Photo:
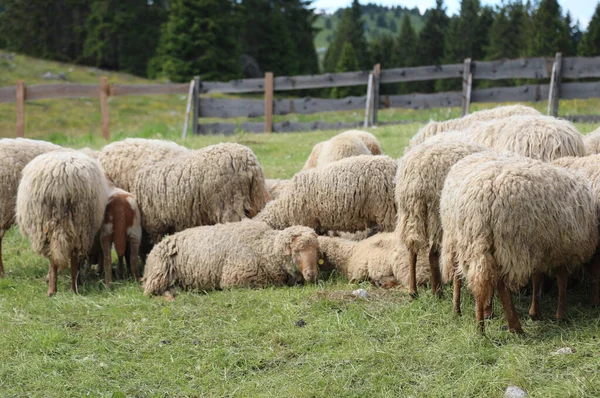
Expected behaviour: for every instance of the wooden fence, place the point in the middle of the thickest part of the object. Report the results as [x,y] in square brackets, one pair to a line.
[555,69]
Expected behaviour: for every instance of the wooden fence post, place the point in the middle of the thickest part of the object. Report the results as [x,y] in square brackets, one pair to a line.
[196,100]
[376,75]
[20,98]
[188,109]
[467,85]
[268,102]
[554,92]
[368,106]
[104,93]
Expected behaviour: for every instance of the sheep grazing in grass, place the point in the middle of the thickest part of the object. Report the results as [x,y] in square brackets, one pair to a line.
[122,160]
[121,226]
[90,152]
[242,254]
[509,218]
[275,187]
[420,179]
[217,184]
[538,137]
[349,195]
[15,154]
[344,145]
[60,206]
[592,142]
[378,259]
[460,124]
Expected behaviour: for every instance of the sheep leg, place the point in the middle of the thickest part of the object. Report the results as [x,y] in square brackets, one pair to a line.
[479,314]
[562,279]
[1,263]
[52,270]
[488,311]
[536,287]
[412,274]
[456,294]
[594,270]
[120,270]
[74,273]
[434,268]
[514,325]
[133,255]
[106,243]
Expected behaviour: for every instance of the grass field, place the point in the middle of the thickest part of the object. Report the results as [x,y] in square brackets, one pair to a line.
[245,343]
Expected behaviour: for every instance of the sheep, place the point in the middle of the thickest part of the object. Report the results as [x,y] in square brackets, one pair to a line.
[459,124]
[275,187]
[217,184]
[122,160]
[507,218]
[592,142]
[589,168]
[15,154]
[243,254]
[378,259]
[538,137]
[90,152]
[419,182]
[347,144]
[60,206]
[349,195]
[121,226]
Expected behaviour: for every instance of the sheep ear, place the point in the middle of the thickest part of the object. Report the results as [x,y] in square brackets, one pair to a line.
[288,248]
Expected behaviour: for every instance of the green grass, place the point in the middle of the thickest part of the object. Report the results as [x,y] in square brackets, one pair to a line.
[245,343]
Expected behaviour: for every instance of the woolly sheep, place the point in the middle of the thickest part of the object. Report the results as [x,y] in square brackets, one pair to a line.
[243,254]
[217,184]
[60,206]
[419,182]
[346,144]
[538,137]
[90,152]
[349,195]
[122,160]
[511,217]
[459,124]
[15,154]
[378,259]
[592,142]
[275,187]
[121,226]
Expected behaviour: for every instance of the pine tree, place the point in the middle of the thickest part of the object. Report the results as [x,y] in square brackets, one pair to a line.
[507,32]
[347,62]
[351,29]
[430,50]
[199,38]
[393,26]
[382,50]
[548,33]
[590,41]
[404,52]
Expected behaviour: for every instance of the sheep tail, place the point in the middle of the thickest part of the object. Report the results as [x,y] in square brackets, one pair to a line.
[60,249]
[413,229]
[120,235]
[258,198]
[159,272]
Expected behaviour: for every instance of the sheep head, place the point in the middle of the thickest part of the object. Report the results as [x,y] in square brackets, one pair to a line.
[301,244]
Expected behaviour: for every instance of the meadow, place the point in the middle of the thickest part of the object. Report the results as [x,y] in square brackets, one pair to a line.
[309,341]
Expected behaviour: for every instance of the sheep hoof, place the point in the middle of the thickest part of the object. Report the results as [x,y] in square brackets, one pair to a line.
[562,321]
[414,295]
[535,317]
[168,296]
[488,315]
[518,330]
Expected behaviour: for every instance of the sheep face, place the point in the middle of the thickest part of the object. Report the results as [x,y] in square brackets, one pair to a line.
[303,247]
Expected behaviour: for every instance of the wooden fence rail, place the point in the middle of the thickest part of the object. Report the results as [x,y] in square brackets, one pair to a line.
[555,69]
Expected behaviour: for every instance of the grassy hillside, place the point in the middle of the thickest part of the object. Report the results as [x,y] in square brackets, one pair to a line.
[392,20]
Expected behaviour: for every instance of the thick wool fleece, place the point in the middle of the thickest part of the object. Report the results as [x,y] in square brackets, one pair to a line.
[242,254]
[217,184]
[592,142]
[346,144]
[349,195]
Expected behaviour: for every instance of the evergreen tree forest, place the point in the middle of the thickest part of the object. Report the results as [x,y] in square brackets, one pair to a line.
[226,39]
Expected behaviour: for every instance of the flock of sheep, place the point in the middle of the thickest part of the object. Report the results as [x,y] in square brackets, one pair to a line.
[496,198]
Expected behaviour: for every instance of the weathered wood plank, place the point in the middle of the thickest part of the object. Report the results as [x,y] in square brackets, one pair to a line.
[43,91]
[234,86]
[197,104]
[376,82]
[580,90]
[104,93]
[530,92]
[583,118]
[431,72]
[522,68]
[283,83]
[268,102]
[8,94]
[467,86]
[580,67]
[282,127]
[148,89]
[226,108]
[554,93]
[20,100]
[421,101]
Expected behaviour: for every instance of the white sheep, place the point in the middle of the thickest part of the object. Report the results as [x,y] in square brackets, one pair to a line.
[60,206]
[346,144]
[243,254]
[217,184]
[349,195]
[592,142]
[15,154]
